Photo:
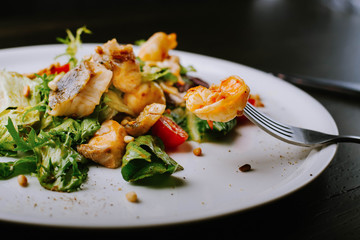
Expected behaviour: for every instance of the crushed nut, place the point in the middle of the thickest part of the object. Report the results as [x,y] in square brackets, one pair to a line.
[131,196]
[124,122]
[197,151]
[26,91]
[22,180]
[128,139]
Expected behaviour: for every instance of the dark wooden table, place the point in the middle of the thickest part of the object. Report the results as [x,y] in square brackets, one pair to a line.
[309,37]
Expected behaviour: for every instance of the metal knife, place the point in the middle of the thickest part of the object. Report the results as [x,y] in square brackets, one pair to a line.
[344,87]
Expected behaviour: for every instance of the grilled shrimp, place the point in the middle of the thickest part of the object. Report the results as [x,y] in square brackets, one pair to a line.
[219,103]
[157,47]
[107,146]
[146,93]
[120,59]
[145,120]
[78,92]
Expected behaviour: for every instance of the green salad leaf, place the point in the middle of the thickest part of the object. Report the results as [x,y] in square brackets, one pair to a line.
[113,99]
[25,165]
[73,43]
[21,122]
[60,167]
[11,91]
[57,165]
[145,157]
[74,132]
[156,73]
[32,140]
[185,70]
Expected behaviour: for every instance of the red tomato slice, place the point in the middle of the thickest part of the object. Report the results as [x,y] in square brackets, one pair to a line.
[252,101]
[169,132]
[64,68]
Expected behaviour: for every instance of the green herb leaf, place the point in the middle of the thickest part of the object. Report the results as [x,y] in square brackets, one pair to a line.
[184,70]
[74,132]
[73,43]
[33,140]
[145,157]
[25,165]
[157,73]
[21,145]
[61,168]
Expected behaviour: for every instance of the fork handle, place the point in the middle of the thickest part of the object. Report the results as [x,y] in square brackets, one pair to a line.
[332,85]
[346,138]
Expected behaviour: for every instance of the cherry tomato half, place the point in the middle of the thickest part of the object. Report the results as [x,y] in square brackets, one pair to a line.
[64,68]
[169,132]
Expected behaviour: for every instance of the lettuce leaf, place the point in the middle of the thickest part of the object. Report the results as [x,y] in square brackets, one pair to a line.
[145,157]
[25,165]
[115,101]
[11,91]
[60,167]
[156,73]
[74,132]
[7,144]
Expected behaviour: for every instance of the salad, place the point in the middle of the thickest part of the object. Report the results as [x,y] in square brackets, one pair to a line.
[111,108]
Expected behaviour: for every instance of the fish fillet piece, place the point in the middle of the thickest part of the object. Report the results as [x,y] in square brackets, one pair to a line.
[80,90]
[107,146]
[145,94]
[147,118]
[122,61]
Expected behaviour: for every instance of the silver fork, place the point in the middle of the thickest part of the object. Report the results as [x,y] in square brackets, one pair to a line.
[294,135]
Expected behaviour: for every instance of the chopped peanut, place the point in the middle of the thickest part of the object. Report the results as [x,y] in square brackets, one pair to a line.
[124,122]
[197,151]
[131,196]
[22,180]
[128,139]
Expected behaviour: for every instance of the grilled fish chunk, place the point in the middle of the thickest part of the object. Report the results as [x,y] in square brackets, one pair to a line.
[147,118]
[145,94]
[122,61]
[79,91]
[107,146]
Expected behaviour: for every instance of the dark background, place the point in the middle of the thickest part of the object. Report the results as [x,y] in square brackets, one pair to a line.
[320,38]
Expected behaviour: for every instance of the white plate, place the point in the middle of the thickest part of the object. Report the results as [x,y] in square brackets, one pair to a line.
[210,185]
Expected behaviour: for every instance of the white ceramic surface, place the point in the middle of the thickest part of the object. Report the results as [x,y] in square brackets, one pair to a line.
[209,186]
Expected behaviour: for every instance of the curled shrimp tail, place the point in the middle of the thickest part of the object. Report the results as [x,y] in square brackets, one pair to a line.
[220,103]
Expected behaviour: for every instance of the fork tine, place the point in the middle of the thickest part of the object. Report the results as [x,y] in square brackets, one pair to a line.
[267,122]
